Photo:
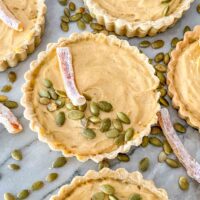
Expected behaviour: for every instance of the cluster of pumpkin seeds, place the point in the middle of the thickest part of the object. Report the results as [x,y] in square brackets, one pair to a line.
[108,192]
[16,155]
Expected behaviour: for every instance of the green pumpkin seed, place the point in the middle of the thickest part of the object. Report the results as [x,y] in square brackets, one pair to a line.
[75,115]
[83,107]
[47,83]
[51,107]
[172,163]
[198,8]
[155,142]
[167,148]
[161,78]
[105,106]
[103,164]
[23,194]
[72,6]
[37,185]
[112,133]
[60,118]
[76,17]
[123,118]
[3,98]
[94,109]
[123,157]
[174,42]
[161,68]
[89,133]
[150,60]
[81,25]
[87,18]
[144,44]
[157,44]
[166,11]
[44,93]
[14,167]
[6,88]
[98,196]
[44,101]
[9,196]
[166,59]
[10,104]
[117,125]
[165,1]
[120,140]
[129,134]
[162,157]
[60,102]
[183,183]
[67,12]
[70,106]
[51,177]
[63,2]
[164,102]
[107,189]
[61,93]
[17,154]
[59,162]
[159,57]
[186,29]
[105,125]
[145,141]
[112,197]
[96,26]
[87,97]
[85,122]
[163,92]
[156,130]
[65,19]
[94,119]
[135,196]
[53,94]
[179,128]
[144,164]
[64,26]
[12,77]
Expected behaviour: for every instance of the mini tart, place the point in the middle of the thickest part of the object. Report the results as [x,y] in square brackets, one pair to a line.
[137,17]
[107,69]
[124,183]
[184,77]
[15,45]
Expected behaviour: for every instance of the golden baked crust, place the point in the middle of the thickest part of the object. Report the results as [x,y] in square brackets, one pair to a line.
[31,115]
[121,174]
[185,109]
[20,53]
[131,29]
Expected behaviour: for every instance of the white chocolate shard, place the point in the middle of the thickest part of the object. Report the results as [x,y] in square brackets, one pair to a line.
[9,19]
[9,121]
[67,72]
[191,165]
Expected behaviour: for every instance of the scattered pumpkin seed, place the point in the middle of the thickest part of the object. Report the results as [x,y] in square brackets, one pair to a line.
[159,57]
[161,68]
[44,93]
[156,130]
[59,162]
[165,1]
[98,196]
[85,122]
[9,196]
[67,12]
[120,140]
[87,17]
[17,154]
[105,125]
[198,8]
[107,189]
[6,88]
[164,102]
[76,17]
[53,94]
[172,163]
[60,102]
[3,98]
[65,19]
[167,148]
[51,107]
[87,97]
[161,77]
[23,194]
[123,157]
[123,118]
[10,104]
[83,107]
[117,125]
[166,11]
[94,109]
[179,128]
[186,29]
[150,60]
[96,26]
[81,25]
[63,2]
[94,119]
[157,44]
[60,118]
[61,93]
[12,77]
[135,196]
[89,133]
[163,92]
[144,164]
[44,101]
[37,185]
[103,164]
[113,133]
[162,157]
[166,58]
[112,197]
[155,141]
[75,115]
[14,167]
[64,26]
[144,44]
[72,6]
[183,183]
[51,177]
[145,141]
[47,83]
[70,106]
[105,106]
[174,42]
[129,134]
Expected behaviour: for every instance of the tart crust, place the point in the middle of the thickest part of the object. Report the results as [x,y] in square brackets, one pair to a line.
[27,47]
[34,122]
[176,100]
[120,174]
[140,29]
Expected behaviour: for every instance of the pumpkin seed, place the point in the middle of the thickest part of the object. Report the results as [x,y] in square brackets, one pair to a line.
[117,125]
[47,83]
[60,118]
[123,157]
[145,141]
[70,106]
[120,140]
[85,122]
[129,134]
[3,98]
[75,115]
[172,163]
[10,104]
[105,106]
[157,44]
[64,26]
[112,197]
[14,167]
[60,102]
[198,8]
[96,26]
[150,60]
[65,19]
[164,102]
[159,57]
[44,101]
[63,2]
[51,107]
[72,6]
[87,97]
[98,196]
[156,130]
[135,196]
[6,88]
[167,148]
[144,44]
[44,93]
[23,194]
[112,133]
[81,25]
[17,154]
[166,11]
[123,118]
[107,189]
[162,157]
[186,29]
[161,78]
[83,107]
[94,119]
[87,17]
[89,133]
[94,109]
[37,185]
[165,1]
[80,10]
[166,59]
[76,17]
[174,42]
[51,177]
[183,183]
[61,93]
[161,68]
[155,141]
[9,196]
[105,125]
[179,128]
[103,164]
[59,162]
[144,164]
[12,77]
[53,94]
[163,92]
[67,12]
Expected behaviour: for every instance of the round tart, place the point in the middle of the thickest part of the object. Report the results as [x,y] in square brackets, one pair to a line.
[137,17]
[107,70]
[184,77]
[124,186]
[15,45]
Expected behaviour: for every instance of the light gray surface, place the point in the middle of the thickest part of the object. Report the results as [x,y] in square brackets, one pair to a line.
[37,155]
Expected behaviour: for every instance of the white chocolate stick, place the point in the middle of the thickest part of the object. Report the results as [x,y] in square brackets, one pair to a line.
[67,72]
[9,121]
[9,19]
[191,165]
